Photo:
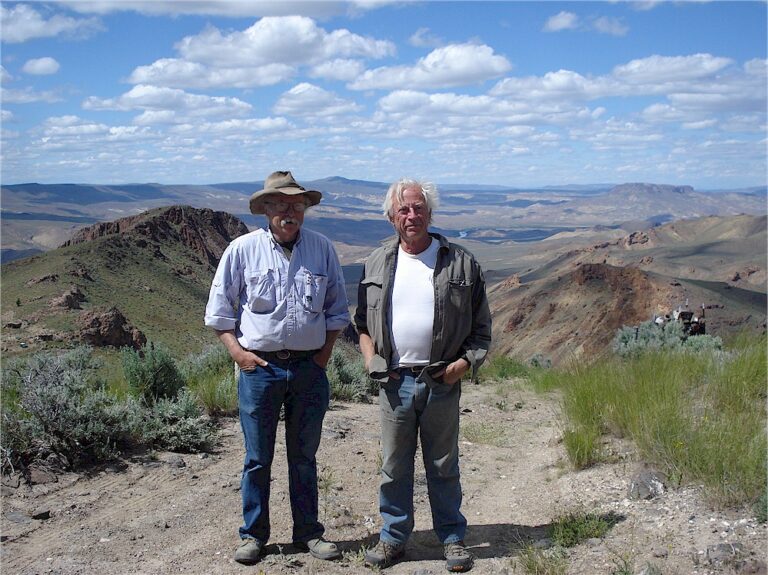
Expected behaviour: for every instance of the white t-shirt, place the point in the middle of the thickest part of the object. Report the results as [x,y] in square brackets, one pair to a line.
[412,312]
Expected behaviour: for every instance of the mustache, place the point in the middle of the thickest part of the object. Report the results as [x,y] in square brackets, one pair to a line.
[288,220]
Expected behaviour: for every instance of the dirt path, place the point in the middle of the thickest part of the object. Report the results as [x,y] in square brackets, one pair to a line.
[180,513]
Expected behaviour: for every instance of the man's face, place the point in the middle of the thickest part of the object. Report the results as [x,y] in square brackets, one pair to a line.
[285,214]
[411,217]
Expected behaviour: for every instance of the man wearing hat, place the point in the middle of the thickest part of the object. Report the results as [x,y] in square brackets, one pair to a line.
[278,303]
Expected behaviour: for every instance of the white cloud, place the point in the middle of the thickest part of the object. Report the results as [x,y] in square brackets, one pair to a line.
[41,66]
[562,21]
[166,103]
[612,26]
[226,8]
[344,70]
[29,96]
[4,75]
[453,65]
[677,69]
[308,100]
[170,72]
[6,116]
[268,52]
[424,38]
[22,22]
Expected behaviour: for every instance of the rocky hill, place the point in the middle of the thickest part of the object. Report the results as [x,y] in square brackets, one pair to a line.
[572,303]
[137,279]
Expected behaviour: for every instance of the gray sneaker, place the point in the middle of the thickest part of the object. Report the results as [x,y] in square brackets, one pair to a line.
[384,555]
[457,558]
[249,551]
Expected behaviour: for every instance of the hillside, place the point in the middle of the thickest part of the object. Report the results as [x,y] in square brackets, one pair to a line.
[155,269]
[571,303]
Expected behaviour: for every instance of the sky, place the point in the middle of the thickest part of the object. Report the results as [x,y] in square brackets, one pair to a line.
[512,93]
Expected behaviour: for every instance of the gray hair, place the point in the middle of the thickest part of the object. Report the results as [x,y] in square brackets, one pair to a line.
[428,191]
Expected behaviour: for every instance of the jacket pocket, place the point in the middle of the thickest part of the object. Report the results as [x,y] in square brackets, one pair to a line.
[260,291]
[373,305]
[311,289]
[372,285]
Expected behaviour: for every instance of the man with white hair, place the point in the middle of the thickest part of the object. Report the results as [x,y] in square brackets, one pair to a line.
[424,322]
[278,303]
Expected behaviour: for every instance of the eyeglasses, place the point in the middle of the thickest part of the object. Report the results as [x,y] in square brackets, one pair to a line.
[282,207]
[418,209]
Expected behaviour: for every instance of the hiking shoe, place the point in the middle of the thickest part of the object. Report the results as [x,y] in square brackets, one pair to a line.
[384,554]
[457,558]
[319,548]
[249,551]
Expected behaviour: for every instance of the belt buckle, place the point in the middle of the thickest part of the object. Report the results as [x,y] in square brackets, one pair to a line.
[283,354]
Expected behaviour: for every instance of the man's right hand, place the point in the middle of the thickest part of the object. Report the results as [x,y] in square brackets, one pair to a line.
[248,361]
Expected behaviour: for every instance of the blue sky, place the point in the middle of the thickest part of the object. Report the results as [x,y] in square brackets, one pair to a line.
[510,93]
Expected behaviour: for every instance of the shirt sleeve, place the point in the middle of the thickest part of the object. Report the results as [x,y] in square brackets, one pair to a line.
[222,310]
[336,305]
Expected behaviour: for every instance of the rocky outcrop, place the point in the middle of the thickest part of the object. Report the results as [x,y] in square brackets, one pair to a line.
[205,232]
[109,328]
[69,300]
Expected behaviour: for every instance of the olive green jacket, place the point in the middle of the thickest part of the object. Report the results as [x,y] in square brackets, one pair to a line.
[462,321]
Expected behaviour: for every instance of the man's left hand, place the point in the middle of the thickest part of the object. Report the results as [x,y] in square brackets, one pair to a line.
[453,372]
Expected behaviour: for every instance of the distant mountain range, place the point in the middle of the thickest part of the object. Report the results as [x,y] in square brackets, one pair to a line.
[43,216]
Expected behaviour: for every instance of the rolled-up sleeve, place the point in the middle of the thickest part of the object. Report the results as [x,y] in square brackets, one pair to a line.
[222,309]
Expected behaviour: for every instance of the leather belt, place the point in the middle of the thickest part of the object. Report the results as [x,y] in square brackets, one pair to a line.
[285,354]
[415,370]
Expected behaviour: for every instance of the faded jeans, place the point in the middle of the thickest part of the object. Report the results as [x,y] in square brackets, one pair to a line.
[411,409]
[302,386]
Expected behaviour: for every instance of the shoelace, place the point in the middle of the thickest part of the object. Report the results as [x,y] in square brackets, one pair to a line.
[456,550]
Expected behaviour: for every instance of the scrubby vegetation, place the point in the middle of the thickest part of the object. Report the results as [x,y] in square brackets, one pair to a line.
[57,405]
[56,408]
[700,416]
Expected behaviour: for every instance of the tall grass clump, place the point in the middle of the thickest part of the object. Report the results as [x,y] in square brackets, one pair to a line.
[701,416]
[210,376]
[347,375]
[501,368]
[151,373]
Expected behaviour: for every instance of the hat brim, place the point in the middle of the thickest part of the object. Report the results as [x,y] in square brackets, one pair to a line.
[257,199]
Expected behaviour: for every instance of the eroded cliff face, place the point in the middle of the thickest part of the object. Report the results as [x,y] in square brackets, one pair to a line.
[205,232]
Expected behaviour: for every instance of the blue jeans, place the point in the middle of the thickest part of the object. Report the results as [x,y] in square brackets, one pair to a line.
[411,409]
[302,386]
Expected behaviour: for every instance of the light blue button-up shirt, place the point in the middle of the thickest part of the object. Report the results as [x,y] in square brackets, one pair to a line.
[274,303]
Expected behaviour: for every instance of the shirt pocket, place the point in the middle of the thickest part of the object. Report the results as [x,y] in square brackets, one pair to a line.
[311,289]
[260,291]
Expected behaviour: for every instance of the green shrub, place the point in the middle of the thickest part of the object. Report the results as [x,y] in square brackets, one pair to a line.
[347,375]
[151,373]
[576,527]
[631,341]
[53,404]
[178,424]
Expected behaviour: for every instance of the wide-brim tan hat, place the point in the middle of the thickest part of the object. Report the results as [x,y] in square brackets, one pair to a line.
[281,183]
